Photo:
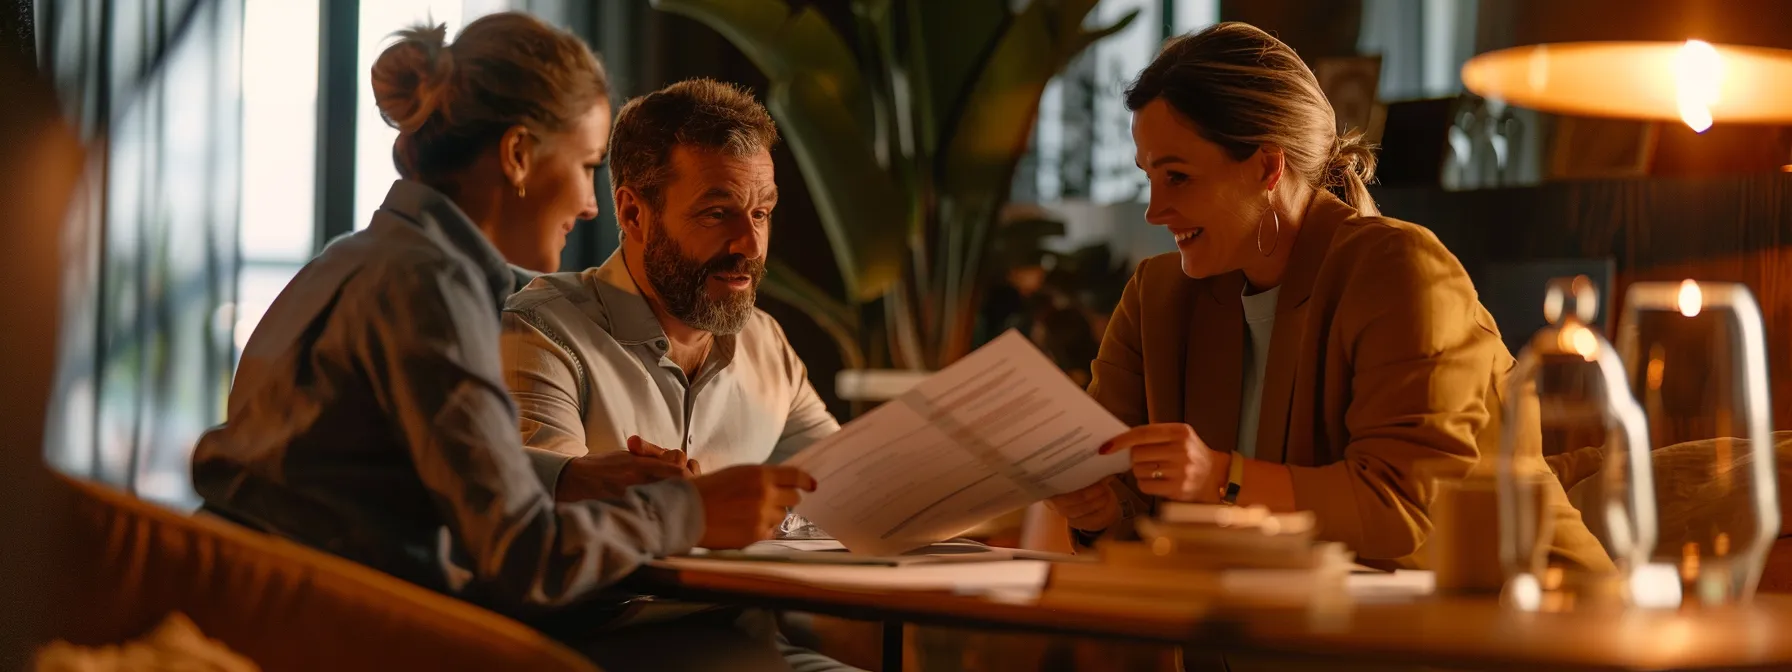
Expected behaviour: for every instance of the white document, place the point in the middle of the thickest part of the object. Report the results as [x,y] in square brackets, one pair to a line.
[1007,577]
[999,429]
[832,552]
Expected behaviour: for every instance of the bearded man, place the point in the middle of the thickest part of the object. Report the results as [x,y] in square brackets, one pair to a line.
[661,345]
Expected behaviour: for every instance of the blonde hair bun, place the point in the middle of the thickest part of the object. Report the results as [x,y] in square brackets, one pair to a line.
[412,77]
[1352,157]
[451,102]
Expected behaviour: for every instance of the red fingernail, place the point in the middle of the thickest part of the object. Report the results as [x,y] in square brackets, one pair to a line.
[1105,448]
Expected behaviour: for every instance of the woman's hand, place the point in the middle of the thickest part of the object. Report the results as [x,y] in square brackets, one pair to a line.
[1090,509]
[1171,461]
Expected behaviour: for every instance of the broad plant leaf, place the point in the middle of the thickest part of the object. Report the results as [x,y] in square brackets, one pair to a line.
[955,38]
[823,110]
[989,136]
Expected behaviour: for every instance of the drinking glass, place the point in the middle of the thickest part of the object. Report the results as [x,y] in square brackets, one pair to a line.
[1698,361]
[1569,382]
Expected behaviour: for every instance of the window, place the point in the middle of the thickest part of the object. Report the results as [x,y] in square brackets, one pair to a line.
[1082,145]
[1113,176]
[1423,44]
[278,229]
[144,357]
[1193,15]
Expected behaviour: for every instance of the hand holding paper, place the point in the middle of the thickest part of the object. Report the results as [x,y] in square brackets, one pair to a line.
[995,431]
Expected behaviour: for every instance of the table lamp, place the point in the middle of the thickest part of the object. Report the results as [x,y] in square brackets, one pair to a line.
[1720,553]
[1571,383]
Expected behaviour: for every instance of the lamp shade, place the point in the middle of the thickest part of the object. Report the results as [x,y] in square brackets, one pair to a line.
[1691,81]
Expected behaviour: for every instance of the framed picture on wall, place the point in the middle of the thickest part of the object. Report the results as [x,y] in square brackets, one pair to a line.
[1352,84]
[1587,148]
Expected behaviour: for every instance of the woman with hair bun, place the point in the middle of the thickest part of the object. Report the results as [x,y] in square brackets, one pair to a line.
[369,416]
[1298,351]
[510,123]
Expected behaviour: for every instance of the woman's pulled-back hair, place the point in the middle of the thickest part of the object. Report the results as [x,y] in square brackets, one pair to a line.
[451,101]
[1245,89]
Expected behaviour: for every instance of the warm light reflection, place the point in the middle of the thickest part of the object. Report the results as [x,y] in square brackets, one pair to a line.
[1692,300]
[1656,367]
[1538,75]
[1721,546]
[1676,637]
[1689,561]
[1655,586]
[1698,69]
[1523,593]
[1579,340]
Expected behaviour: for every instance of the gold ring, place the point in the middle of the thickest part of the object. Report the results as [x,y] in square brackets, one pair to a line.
[1157,475]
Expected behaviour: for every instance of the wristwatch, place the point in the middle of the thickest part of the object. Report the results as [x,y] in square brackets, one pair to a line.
[1234,480]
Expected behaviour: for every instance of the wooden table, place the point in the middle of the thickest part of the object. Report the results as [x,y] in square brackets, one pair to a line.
[1457,632]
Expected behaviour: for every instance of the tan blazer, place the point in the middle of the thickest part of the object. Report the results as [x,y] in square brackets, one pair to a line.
[1382,360]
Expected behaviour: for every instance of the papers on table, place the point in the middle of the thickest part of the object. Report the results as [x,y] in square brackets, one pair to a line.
[1008,578]
[1398,584]
[832,552]
[997,430]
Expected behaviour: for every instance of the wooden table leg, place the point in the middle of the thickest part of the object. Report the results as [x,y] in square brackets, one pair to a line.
[892,646]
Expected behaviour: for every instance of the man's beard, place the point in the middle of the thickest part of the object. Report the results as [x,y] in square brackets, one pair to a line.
[683,284]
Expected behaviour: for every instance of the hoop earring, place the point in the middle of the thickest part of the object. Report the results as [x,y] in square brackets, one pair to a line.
[1277,241]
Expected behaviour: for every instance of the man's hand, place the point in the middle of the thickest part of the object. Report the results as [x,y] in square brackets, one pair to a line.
[744,504]
[605,475]
[640,446]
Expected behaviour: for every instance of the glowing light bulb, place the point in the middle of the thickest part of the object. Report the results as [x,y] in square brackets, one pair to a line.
[1697,71]
[1692,300]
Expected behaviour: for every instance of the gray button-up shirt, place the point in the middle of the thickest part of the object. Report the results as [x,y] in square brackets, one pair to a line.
[585,358]
[369,418]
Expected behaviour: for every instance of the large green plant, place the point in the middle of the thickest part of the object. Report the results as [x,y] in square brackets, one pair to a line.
[907,135]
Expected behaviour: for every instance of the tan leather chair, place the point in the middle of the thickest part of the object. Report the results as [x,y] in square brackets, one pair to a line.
[285,606]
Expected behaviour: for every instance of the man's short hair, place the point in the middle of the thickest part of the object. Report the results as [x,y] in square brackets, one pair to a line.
[699,113]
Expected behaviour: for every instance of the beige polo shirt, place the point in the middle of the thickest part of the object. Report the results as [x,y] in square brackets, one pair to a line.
[585,360]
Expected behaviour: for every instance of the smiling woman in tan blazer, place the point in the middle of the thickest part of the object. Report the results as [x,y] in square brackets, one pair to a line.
[1297,351]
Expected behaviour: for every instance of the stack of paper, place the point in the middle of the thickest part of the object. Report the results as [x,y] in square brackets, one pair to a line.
[1201,551]
[1195,536]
